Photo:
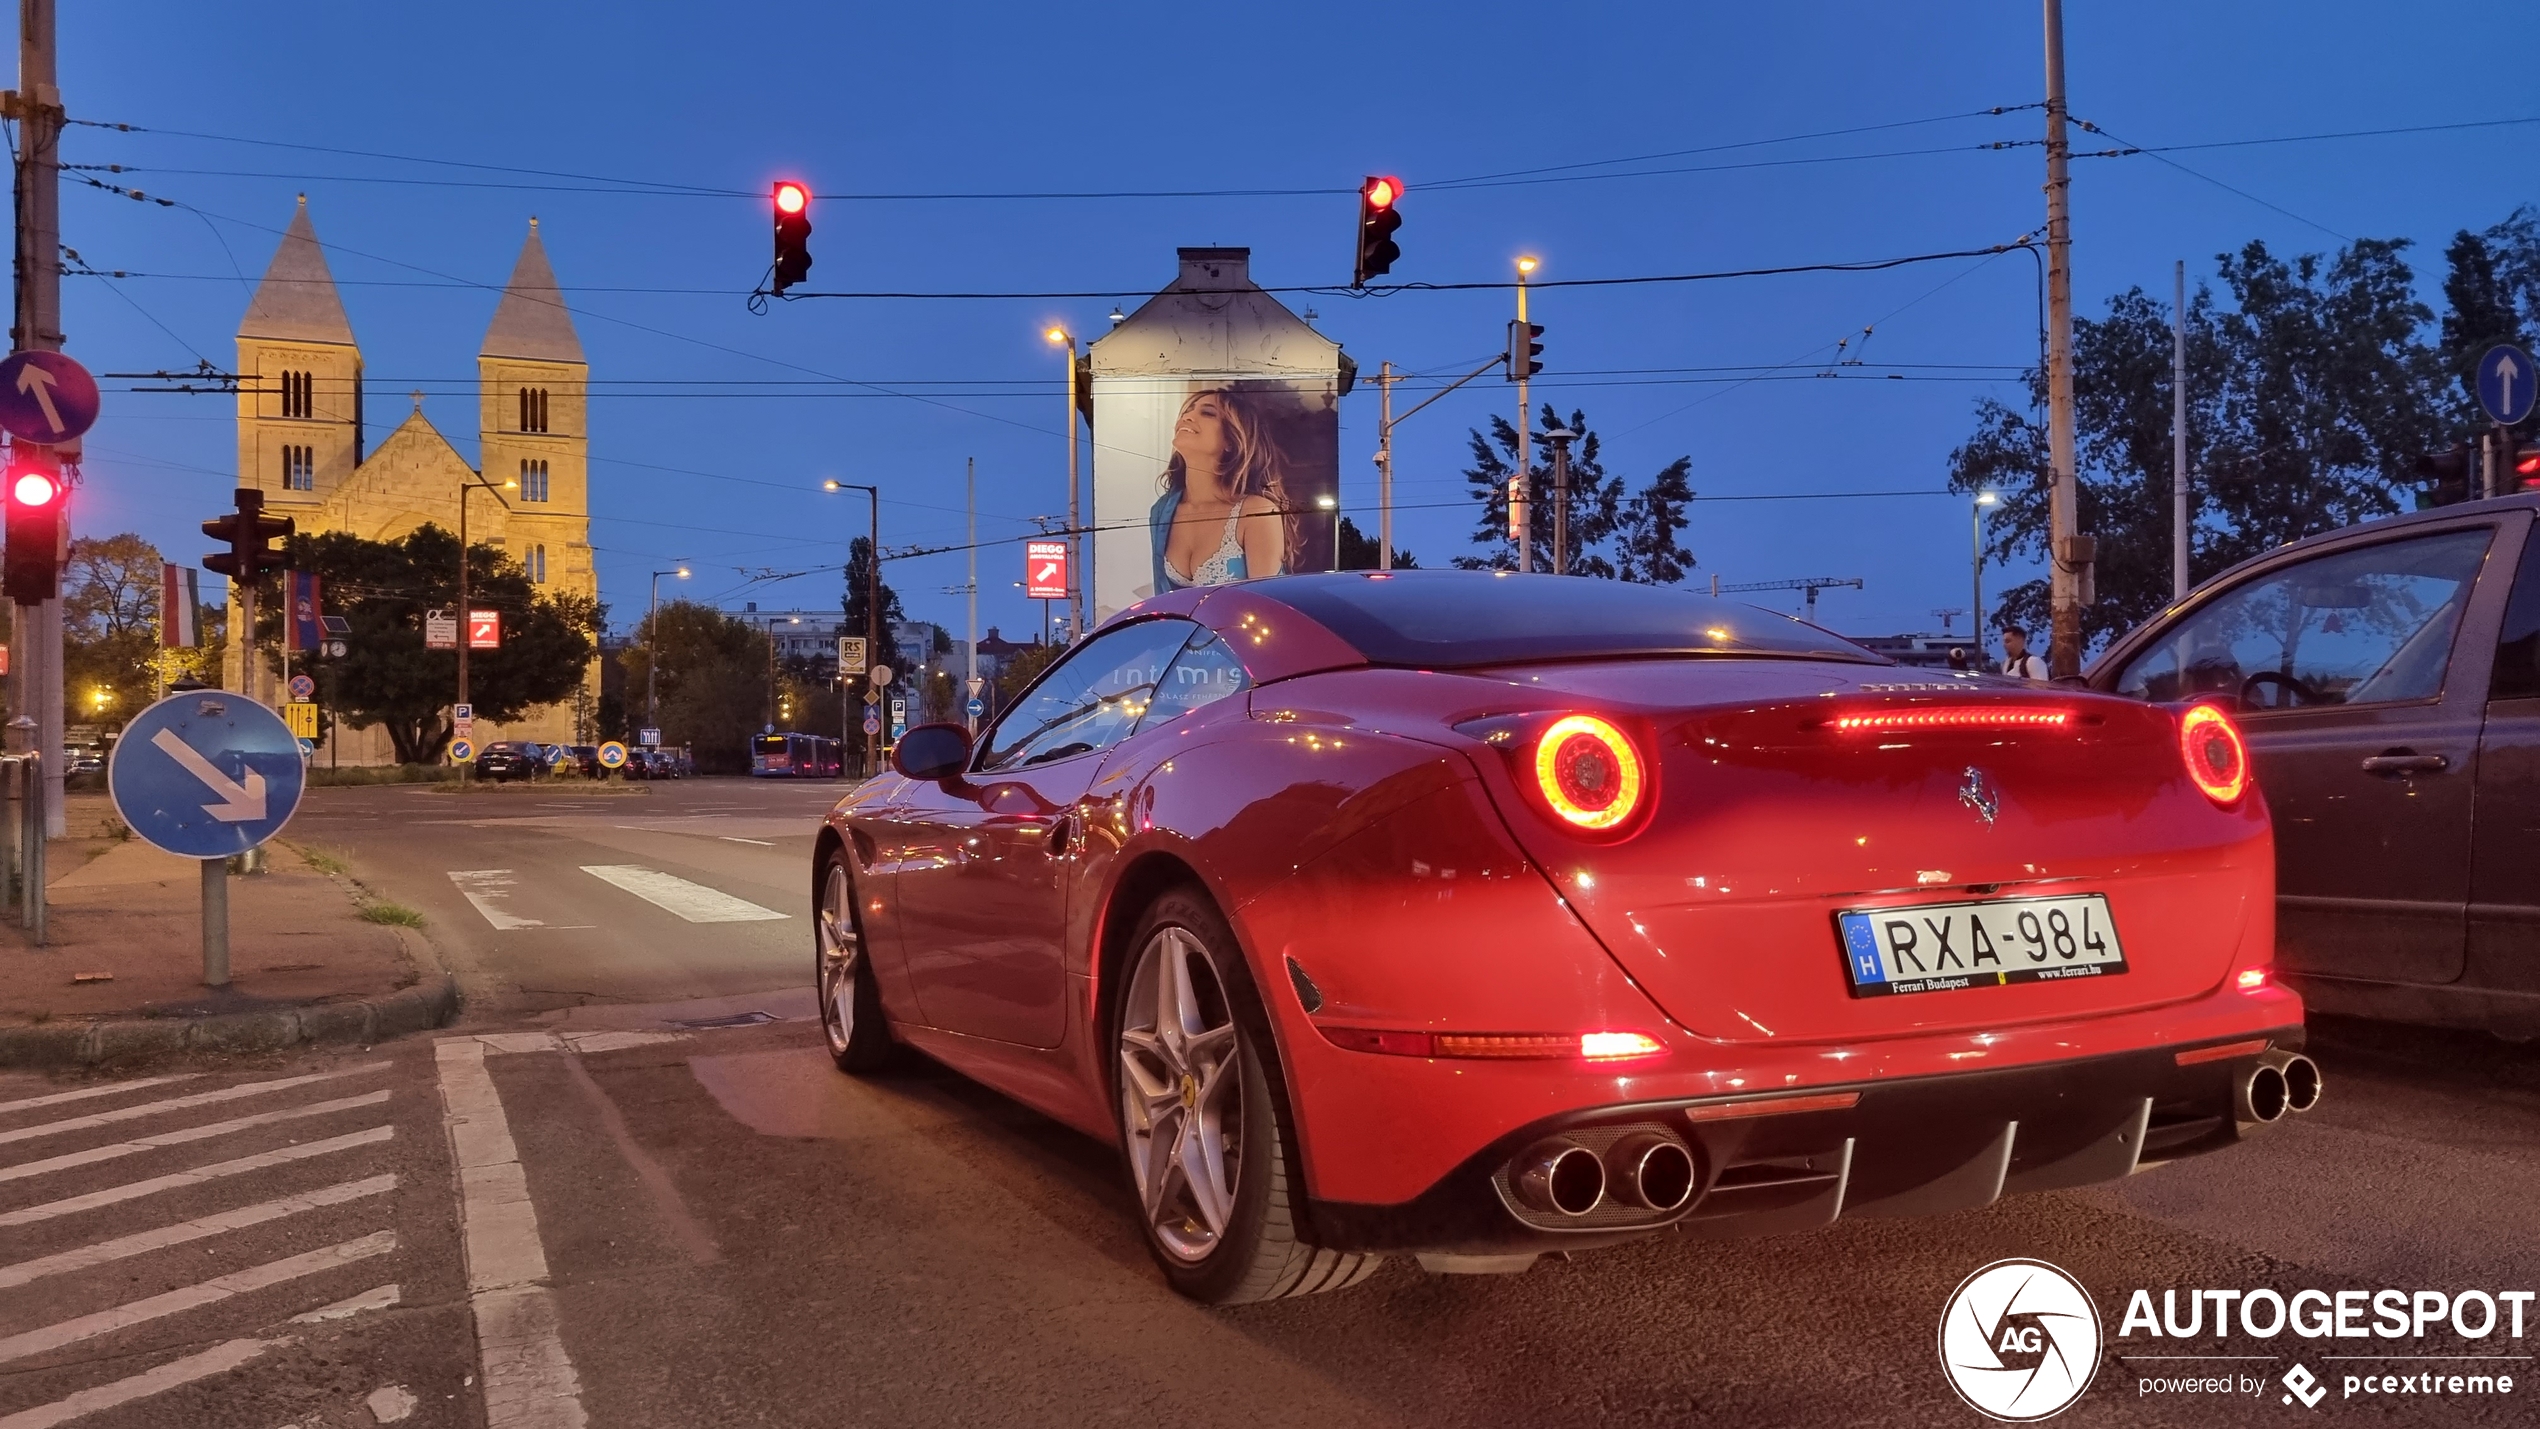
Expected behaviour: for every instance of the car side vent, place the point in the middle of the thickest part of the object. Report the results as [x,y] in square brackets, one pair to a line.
[1307,994]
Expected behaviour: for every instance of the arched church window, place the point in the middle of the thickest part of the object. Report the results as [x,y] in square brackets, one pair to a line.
[299,468]
[299,394]
[533,409]
[538,565]
[533,479]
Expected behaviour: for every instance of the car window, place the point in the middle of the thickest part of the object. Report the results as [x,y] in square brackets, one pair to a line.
[2368,625]
[1090,700]
[2518,650]
[1204,673]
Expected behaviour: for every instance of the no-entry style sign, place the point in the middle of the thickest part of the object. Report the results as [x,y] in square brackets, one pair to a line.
[46,397]
[1045,570]
[206,774]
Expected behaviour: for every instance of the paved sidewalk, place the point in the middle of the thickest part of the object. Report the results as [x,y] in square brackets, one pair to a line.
[305,964]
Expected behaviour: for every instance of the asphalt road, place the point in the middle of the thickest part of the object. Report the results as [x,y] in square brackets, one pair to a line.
[652,1224]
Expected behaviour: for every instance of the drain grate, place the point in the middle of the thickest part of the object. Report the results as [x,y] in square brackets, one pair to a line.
[737,1019]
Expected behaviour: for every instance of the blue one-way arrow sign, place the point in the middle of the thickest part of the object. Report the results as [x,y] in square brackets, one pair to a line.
[2507,384]
[206,774]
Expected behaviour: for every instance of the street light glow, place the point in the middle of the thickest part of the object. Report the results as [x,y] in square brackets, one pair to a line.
[1056,334]
[1986,498]
[682,573]
[1526,264]
[829,485]
[1326,503]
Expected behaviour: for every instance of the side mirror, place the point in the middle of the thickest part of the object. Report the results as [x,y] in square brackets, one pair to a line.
[932,752]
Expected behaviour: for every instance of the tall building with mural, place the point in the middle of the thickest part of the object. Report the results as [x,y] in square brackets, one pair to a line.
[301,441]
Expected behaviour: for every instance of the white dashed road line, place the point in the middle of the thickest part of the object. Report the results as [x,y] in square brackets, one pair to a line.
[489,889]
[672,894]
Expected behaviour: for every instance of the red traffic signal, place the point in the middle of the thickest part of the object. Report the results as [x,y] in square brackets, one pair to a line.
[1377,220]
[793,235]
[31,571]
[246,530]
[2527,464]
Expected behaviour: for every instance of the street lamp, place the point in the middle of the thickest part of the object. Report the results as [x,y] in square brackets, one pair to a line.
[872,611]
[1059,336]
[1976,565]
[1520,516]
[1333,505]
[652,650]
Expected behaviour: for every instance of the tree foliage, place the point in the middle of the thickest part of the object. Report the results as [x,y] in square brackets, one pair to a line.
[1613,533]
[713,687]
[2314,384]
[110,626]
[387,678]
[1359,551]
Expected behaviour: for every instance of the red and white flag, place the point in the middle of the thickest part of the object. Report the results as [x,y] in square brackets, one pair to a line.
[179,604]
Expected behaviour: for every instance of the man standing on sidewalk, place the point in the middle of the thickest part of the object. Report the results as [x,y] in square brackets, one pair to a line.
[2017,662]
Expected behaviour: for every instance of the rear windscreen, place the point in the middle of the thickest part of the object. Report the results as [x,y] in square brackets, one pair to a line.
[1459,618]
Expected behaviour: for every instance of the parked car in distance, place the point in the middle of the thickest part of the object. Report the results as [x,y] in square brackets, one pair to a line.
[2387,677]
[505,760]
[584,759]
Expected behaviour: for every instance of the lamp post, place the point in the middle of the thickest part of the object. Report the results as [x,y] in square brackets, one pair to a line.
[1976,566]
[872,606]
[652,649]
[1560,437]
[1520,486]
[1333,505]
[1075,528]
[474,483]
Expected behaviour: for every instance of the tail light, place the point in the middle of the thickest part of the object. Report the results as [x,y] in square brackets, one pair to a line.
[2216,758]
[1497,1046]
[1588,772]
[1899,721]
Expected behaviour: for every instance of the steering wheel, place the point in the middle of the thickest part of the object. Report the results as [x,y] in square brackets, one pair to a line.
[2295,691]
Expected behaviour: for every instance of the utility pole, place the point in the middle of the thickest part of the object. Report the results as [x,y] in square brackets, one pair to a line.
[1076,542]
[37,106]
[2178,432]
[970,676]
[1560,437]
[2070,552]
[1384,467]
[1520,509]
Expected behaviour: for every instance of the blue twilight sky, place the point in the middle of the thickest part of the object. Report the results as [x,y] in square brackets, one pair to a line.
[720,464]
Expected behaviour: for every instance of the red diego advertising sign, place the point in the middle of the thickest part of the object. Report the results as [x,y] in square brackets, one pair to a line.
[1045,570]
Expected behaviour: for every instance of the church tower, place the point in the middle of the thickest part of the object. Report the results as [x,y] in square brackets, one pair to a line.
[300,388]
[533,426]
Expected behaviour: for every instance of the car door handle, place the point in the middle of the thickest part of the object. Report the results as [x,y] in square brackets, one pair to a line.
[2401,761]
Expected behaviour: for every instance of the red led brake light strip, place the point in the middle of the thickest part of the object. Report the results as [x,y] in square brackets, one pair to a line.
[1979,717]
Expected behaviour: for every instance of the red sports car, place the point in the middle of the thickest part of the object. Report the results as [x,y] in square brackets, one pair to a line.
[1472,916]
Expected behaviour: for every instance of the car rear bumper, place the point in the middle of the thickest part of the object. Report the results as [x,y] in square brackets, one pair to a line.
[1794,1160]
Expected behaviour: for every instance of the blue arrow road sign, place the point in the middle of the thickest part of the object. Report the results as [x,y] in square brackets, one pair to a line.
[45,397]
[2506,384]
[206,774]
[977,707]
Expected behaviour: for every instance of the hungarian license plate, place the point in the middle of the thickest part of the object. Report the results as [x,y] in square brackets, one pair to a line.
[1941,947]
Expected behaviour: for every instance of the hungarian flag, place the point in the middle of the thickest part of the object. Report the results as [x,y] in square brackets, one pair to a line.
[301,629]
[179,604]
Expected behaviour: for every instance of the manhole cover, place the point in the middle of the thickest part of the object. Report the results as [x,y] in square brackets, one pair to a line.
[737,1019]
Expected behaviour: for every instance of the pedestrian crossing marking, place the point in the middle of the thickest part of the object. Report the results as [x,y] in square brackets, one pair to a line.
[143,1242]
[219,1359]
[117,1149]
[672,894]
[209,1292]
[168,1104]
[132,1190]
[84,1093]
[487,889]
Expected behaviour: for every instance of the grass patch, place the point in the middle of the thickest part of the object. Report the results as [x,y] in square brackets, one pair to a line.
[395,915]
[322,777]
[323,861]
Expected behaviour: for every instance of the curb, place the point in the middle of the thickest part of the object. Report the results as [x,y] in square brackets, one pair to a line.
[369,1020]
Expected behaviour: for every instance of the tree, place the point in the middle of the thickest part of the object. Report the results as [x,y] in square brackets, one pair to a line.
[110,626]
[858,576]
[2492,290]
[1359,552]
[713,685]
[387,677]
[2310,397]
[1610,535]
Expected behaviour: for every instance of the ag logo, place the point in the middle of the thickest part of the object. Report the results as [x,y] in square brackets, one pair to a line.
[2020,1340]
[2305,1385]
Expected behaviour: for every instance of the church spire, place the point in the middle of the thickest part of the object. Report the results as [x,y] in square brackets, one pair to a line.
[297,300]
[531,320]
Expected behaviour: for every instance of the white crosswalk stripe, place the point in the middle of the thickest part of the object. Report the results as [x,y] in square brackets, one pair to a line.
[673,894]
[210,1267]
[489,889]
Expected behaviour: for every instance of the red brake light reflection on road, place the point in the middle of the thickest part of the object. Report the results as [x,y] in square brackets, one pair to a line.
[1588,772]
[33,488]
[792,198]
[1966,717]
[2216,758]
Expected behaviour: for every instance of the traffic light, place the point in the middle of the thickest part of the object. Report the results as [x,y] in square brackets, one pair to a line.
[1377,220]
[34,562]
[1525,350]
[2445,476]
[246,530]
[793,234]
[2526,469]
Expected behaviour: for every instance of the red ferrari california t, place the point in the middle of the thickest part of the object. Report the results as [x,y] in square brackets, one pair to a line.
[1471,916]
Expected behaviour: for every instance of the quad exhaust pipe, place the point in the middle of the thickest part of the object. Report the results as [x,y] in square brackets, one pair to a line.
[1644,1170]
[1652,1172]
[1560,1176]
[2276,1083]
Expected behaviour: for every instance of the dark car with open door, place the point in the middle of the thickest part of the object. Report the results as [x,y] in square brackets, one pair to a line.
[2387,677]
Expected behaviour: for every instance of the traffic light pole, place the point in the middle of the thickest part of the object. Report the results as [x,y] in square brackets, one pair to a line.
[1520,487]
[37,106]
[1385,379]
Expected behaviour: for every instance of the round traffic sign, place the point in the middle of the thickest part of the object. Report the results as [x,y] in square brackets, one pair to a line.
[462,751]
[206,774]
[881,675]
[2506,384]
[872,724]
[45,397]
[303,688]
[555,755]
[308,746]
[612,755]
[977,708]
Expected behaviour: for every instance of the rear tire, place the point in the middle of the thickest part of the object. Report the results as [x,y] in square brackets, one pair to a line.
[850,1001]
[1205,1132]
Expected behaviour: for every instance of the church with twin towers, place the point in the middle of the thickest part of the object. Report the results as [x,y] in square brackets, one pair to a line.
[301,441]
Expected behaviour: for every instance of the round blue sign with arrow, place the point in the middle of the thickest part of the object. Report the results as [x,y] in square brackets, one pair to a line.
[45,397]
[206,774]
[976,707]
[2506,384]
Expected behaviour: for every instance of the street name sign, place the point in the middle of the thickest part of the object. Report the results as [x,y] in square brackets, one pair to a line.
[206,774]
[45,397]
[2506,384]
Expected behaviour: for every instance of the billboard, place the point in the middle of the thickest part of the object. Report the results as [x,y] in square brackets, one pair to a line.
[1045,570]
[1216,439]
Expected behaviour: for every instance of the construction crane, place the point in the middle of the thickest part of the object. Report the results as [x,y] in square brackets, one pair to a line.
[1809,584]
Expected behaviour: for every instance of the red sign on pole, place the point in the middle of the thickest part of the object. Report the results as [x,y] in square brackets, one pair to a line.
[484,630]
[1045,570]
